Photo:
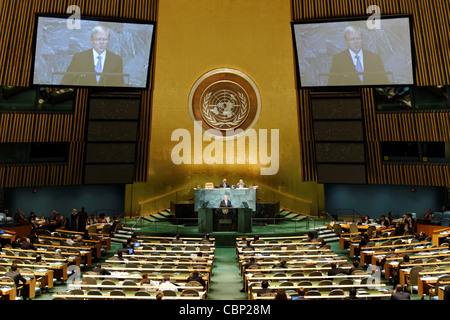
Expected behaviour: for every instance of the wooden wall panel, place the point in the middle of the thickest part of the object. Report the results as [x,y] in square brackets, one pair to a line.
[17,25]
[29,127]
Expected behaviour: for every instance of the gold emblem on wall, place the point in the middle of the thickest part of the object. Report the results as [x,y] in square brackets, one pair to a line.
[225,100]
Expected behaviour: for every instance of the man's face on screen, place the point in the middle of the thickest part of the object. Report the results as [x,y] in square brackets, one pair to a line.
[354,41]
[99,41]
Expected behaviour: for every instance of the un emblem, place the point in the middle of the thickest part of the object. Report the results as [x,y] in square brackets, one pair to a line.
[225,100]
[225,211]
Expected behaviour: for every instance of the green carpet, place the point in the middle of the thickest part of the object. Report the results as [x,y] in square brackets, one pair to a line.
[226,281]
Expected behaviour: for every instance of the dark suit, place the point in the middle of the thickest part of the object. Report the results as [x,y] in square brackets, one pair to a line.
[27,246]
[343,71]
[264,291]
[16,276]
[223,205]
[84,62]
[224,185]
[401,295]
[399,231]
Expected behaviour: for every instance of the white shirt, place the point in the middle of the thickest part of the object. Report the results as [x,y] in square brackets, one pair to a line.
[95,55]
[151,286]
[361,58]
[168,286]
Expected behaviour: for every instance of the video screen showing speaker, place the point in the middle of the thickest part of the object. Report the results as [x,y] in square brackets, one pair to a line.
[109,174]
[92,52]
[354,52]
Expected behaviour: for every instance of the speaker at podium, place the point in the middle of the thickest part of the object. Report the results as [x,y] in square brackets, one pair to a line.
[225,220]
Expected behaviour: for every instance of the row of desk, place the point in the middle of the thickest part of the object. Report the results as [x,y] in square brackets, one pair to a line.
[307,266]
[156,257]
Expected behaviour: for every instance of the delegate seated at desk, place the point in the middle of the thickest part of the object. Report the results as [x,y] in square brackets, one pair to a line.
[225,203]
[224,184]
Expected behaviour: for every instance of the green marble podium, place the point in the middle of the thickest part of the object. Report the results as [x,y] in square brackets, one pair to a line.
[210,198]
[225,219]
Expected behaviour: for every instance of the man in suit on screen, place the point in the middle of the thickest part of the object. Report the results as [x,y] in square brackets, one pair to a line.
[84,65]
[355,65]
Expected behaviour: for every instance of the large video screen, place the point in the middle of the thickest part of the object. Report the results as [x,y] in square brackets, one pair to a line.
[353,52]
[94,53]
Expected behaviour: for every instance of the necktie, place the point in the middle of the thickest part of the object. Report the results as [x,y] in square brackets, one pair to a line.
[98,67]
[359,67]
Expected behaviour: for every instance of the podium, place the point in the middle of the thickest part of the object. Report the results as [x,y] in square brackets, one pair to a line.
[225,220]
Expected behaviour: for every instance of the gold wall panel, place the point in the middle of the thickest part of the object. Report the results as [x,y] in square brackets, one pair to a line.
[197,36]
